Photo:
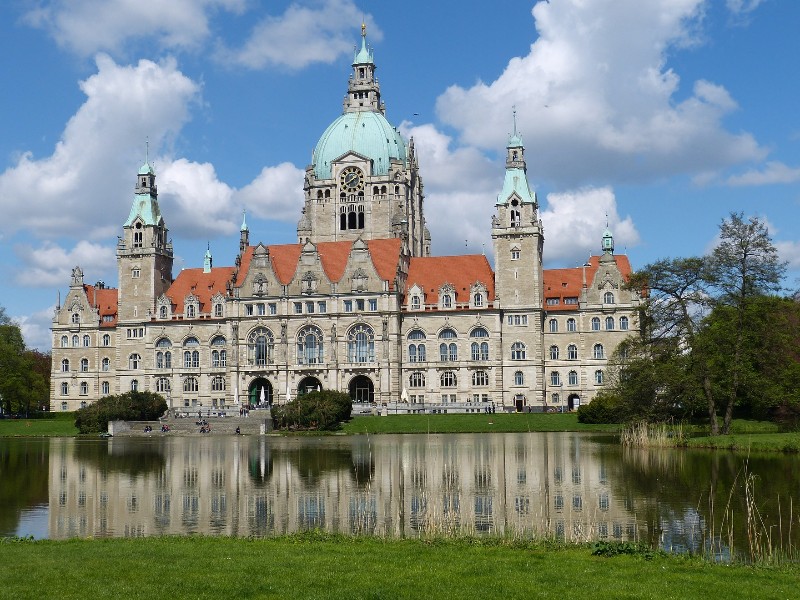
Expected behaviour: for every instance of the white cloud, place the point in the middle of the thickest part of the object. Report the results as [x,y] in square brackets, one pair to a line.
[461,187]
[36,328]
[772,172]
[790,252]
[80,189]
[742,7]
[597,100]
[574,223]
[88,26]
[300,36]
[276,193]
[51,265]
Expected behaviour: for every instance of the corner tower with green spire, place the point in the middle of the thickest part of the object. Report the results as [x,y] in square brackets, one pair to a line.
[144,253]
[517,233]
[363,180]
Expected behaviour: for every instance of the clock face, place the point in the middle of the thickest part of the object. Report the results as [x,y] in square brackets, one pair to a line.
[352,179]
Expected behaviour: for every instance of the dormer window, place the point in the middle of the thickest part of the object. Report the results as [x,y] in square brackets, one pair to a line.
[190,311]
[162,312]
[447,301]
[415,303]
[76,318]
[478,299]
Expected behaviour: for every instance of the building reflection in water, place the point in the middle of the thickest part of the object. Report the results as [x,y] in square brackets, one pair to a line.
[529,485]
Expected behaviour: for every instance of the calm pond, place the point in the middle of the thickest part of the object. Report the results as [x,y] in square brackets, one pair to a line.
[573,486]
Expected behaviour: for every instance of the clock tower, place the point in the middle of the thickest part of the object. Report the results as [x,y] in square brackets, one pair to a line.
[364,180]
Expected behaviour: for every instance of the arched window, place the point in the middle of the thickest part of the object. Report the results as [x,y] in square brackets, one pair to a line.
[76,318]
[190,311]
[572,352]
[598,351]
[555,398]
[105,364]
[190,384]
[162,312]
[106,340]
[477,299]
[134,361]
[609,323]
[448,352]
[75,341]
[218,384]
[571,324]
[415,303]
[447,301]
[595,323]
[480,378]
[479,332]
[309,346]
[448,379]
[519,378]
[65,365]
[191,359]
[65,389]
[86,341]
[84,365]
[219,358]
[598,377]
[553,352]
[163,385]
[361,344]
[105,388]
[218,310]
[260,347]
[416,380]
[608,298]
[623,323]
[480,351]
[518,351]
[412,353]
[64,341]
[553,326]
[416,334]
[134,385]
[555,378]
[573,378]
[84,389]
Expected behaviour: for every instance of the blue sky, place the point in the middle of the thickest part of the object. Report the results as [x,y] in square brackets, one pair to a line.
[662,116]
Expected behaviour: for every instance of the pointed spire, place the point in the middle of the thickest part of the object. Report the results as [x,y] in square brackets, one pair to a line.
[208,260]
[363,56]
[608,241]
[244,221]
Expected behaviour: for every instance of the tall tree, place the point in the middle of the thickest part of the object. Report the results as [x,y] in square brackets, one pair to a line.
[677,301]
[743,267]
[22,386]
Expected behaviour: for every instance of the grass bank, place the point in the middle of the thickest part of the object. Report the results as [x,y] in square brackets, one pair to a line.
[749,442]
[55,424]
[322,566]
[471,423]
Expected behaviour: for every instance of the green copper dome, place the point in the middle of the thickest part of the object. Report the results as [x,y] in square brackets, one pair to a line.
[367,133]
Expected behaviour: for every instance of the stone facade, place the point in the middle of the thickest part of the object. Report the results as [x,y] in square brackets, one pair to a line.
[357,304]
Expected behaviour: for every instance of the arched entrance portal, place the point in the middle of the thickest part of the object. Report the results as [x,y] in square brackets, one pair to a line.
[260,392]
[308,384]
[574,401]
[361,389]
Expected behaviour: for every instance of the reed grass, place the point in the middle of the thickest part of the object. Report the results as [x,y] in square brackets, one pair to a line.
[641,434]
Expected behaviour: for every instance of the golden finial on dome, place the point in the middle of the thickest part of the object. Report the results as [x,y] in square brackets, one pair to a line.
[363,29]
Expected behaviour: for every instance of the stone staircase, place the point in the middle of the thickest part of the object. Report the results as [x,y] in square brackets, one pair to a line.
[256,423]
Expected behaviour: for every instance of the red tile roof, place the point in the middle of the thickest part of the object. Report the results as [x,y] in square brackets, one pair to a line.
[568,283]
[105,301]
[385,255]
[430,273]
[203,285]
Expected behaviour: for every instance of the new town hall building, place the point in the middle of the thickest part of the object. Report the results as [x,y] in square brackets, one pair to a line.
[358,304]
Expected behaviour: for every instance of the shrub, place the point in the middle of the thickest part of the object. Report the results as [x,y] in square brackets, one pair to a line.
[322,411]
[605,408]
[131,406]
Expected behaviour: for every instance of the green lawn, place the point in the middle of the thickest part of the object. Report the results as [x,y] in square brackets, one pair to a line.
[319,566]
[471,423]
[57,424]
